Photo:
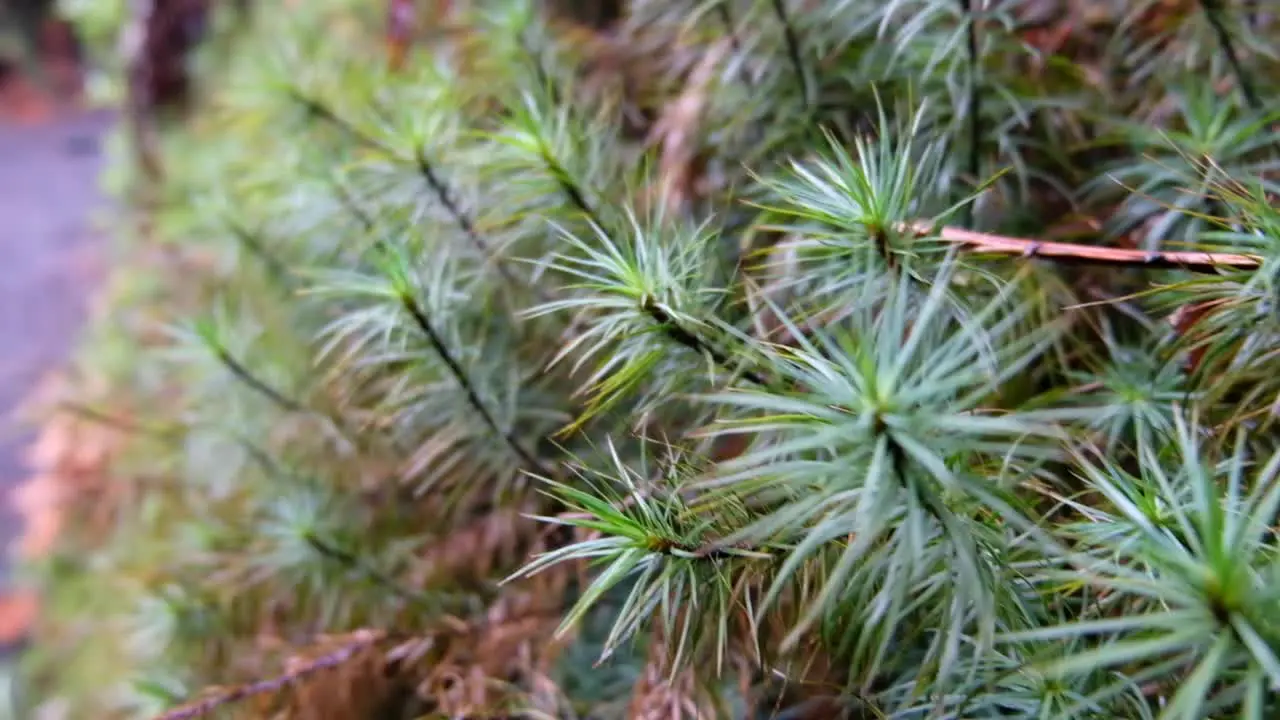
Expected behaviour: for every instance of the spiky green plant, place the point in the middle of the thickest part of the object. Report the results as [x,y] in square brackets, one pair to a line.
[683,356]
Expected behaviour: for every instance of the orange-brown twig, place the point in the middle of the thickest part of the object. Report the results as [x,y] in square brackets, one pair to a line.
[1204,262]
[1059,252]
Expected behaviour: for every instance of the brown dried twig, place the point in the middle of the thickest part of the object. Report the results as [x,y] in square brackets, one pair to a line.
[676,132]
[1073,253]
[972,241]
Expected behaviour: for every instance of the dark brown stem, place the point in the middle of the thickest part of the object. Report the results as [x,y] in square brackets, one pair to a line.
[355,563]
[445,196]
[423,322]
[320,111]
[681,336]
[673,329]
[975,100]
[726,19]
[253,244]
[348,202]
[437,184]
[1213,11]
[571,190]
[243,375]
[793,48]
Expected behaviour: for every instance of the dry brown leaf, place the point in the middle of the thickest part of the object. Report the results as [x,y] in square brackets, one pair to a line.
[69,461]
[492,541]
[18,612]
[658,695]
[472,670]
[677,132]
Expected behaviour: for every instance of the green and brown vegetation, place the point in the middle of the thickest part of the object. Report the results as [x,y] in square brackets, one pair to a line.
[785,359]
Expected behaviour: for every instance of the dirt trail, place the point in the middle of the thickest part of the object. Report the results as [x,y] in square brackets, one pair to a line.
[48,194]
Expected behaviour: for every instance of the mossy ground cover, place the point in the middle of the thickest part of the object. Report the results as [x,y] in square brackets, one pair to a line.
[731,359]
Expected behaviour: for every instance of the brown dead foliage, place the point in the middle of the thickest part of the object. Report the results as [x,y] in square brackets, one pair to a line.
[1184,321]
[480,667]
[475,669]
[338,674]
[359,684]
[678,132]
[493,542]
[484,666]
[661,695]
[68,487]
[18,612]
[69,462]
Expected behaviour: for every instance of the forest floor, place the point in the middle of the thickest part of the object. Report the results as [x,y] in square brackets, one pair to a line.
[49,192]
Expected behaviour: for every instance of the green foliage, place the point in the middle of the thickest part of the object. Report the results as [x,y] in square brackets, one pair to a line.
[665,349]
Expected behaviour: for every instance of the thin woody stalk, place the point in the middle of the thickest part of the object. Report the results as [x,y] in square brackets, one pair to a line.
[423,322]
[353,207]
[1059,252]
[252,243]
[1072,253]
[686,338]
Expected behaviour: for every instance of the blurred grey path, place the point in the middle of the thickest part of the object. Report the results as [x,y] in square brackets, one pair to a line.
[48,195]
